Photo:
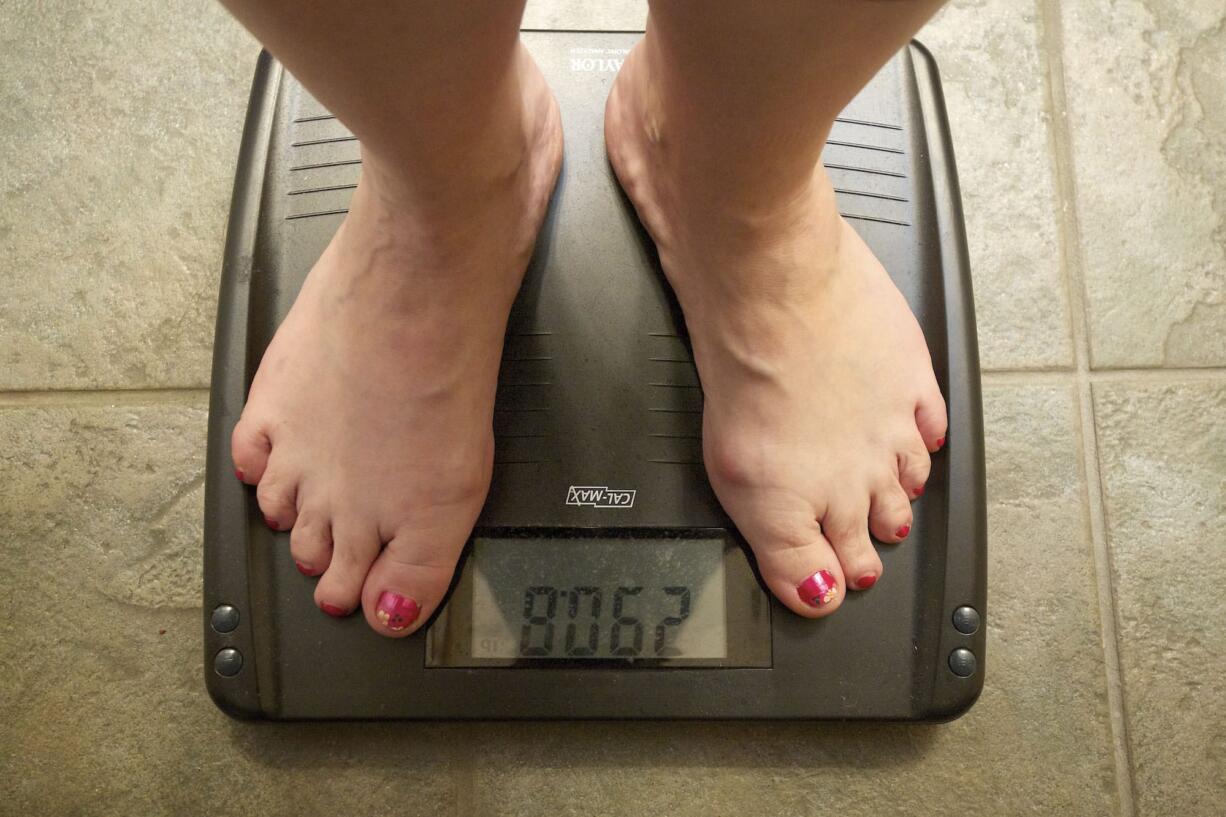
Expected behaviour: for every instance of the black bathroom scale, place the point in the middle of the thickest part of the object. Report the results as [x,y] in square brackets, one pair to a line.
[603,580]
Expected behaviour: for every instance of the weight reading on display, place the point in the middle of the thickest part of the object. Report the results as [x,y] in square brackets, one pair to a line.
[588,600]
[600,599]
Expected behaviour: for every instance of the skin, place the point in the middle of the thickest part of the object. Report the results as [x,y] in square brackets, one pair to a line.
[821,406]
[367,431]
[368,427]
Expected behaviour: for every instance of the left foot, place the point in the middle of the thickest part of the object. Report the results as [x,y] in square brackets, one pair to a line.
[821,407]
[368,429]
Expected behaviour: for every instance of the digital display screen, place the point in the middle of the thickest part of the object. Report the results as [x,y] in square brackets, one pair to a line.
[592,600]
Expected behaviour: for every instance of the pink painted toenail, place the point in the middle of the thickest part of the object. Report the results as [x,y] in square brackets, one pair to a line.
[919,491]
[819,589]
[270,522]
[333,610]
[303,569]
[238,472]
[940,441]
[865,582]
[395,611]
[903,531]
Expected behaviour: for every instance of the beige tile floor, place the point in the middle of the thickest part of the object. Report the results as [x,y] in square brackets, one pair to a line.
[1091,138]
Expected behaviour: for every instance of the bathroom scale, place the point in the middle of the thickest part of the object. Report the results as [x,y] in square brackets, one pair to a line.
[603,580]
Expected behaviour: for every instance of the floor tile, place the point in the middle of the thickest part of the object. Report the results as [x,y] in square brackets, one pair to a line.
[100,641]
[1163,455]
[119,124]
[990,57]
[1146,87]
[608,15]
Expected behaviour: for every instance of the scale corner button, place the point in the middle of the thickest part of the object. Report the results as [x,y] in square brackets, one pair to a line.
[228,662]
[966,620]
[225,618]
[962,662]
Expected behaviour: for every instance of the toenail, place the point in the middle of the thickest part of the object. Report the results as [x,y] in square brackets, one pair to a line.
[334,611]
[270,522]
[865,582]
[238,472]
[903,531]
[395,611]
[919,491]
[303,569]
[940,441]
[819,589]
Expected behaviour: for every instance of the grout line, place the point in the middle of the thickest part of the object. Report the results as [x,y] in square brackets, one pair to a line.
[1156,376]
[193,395]
[1039,377]
[104,397]
[1027,377]
[1051,45]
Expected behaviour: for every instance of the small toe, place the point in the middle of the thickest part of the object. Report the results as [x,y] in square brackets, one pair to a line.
[889,517]
[847,531]
[249,448]
[310,542]
[354,548]
[932,421]
[406,583]
[914,464]
[277,495]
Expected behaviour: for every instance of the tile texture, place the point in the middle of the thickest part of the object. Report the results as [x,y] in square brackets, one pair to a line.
[119,127]
[608,15]
[1147,101]
[100,641]
[992,71]
[1163,454]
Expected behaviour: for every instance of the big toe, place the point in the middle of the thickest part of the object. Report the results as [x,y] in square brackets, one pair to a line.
[408,580]
[802,570]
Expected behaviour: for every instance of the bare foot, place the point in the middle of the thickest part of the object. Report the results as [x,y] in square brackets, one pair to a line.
[821,407]
[368,426]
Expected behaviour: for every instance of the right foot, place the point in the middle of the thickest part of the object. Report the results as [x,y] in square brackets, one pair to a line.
[821,407]
[368,428]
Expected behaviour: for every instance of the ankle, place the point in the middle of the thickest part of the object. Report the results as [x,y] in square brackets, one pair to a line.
[668,158]
[725,168]
[484,159]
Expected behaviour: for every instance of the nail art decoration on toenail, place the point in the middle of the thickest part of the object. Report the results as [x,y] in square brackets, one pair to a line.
[865,582]
[334,611]
[819,589]
[903,531]
[395,611]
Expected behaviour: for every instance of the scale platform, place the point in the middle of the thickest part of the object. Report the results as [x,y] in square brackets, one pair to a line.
[603,580]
